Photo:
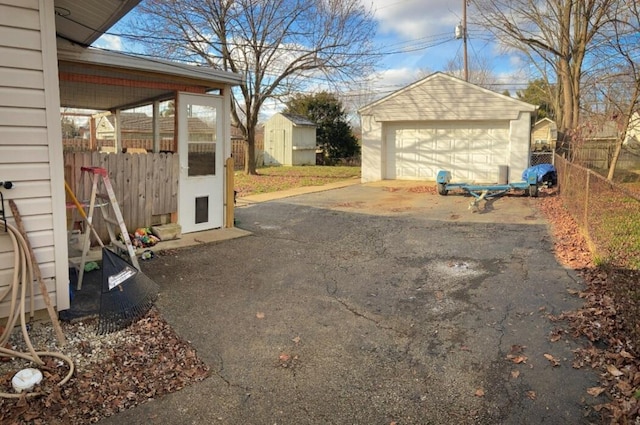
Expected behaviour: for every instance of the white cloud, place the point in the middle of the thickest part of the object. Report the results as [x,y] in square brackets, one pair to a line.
[109,42]
[413,19]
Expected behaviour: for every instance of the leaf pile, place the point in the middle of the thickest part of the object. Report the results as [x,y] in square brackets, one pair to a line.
[151,361]
[607,320]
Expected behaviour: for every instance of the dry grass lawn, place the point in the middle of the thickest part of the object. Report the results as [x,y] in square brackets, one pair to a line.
[273,179]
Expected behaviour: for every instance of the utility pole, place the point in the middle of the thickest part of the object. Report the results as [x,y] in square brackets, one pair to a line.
[464,39]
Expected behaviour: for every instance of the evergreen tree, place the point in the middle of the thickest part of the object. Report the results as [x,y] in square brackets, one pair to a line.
[539,93]
[333,133]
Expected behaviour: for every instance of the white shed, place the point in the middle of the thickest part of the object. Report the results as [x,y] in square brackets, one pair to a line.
[289,140]
[444,123]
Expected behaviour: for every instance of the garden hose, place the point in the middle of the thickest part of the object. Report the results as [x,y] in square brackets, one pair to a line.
[22,279]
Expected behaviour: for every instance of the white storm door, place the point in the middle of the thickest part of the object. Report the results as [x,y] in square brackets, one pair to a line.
[201,122]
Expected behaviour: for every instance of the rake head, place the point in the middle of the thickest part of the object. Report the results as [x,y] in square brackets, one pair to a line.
[127,293]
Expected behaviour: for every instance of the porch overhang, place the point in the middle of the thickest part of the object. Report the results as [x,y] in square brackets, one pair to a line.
[103,80]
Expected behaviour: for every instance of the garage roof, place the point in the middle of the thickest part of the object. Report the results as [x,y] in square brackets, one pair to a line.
[443,97]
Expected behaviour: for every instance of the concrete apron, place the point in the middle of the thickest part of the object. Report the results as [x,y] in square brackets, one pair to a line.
[373,304]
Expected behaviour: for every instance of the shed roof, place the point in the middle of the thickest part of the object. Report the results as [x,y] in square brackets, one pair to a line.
[443,97]
[299,120]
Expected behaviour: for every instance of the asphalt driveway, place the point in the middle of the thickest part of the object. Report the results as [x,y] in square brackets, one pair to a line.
[374,304]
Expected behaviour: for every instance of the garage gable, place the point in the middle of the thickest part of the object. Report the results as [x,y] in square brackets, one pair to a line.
[443,97]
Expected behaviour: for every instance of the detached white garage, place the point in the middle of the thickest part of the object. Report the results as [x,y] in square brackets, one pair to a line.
[444,123]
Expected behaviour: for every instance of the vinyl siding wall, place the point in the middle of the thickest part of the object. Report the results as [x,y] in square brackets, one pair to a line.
[31,144]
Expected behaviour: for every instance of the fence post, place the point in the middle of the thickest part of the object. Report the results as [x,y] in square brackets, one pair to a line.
[586,206]
[229,201]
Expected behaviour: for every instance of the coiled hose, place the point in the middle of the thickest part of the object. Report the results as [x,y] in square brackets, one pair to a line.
[23,279]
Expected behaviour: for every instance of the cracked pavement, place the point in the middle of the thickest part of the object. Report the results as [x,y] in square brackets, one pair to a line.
[373,305]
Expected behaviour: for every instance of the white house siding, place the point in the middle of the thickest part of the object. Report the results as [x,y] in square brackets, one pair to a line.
[30,143]
[444,123]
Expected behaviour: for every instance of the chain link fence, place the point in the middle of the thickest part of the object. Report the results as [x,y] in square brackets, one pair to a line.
[544,157]
[608,214]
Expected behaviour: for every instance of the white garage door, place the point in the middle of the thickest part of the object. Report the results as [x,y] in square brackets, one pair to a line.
[472,151]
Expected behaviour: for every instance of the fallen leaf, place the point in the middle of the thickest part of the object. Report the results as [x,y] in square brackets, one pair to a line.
[284,357]
[517,359]
[556,335]
[531,395]
[555,362]
[614,370]
[260,315]
[296,340]
[626,355]
[479,392]
[595,391]
[515,374]
[625,388]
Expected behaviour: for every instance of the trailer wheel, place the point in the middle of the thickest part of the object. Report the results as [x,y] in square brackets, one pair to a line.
[442,189]
[533,190]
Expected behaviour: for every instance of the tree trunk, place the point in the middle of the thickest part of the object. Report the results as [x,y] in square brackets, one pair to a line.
[250,153]
[615,157]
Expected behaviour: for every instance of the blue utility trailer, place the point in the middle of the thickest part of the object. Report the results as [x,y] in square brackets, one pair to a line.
[533,177]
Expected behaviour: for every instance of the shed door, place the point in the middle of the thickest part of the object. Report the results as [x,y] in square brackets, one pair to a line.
[201,120]
[472,151]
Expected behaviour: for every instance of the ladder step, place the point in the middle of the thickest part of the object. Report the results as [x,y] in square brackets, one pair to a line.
[95,170]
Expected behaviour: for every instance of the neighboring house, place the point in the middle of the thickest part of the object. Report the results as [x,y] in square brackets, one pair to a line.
[40,73]
[289,140]
[633,132]
[444,123]
[544,136]
[137,126]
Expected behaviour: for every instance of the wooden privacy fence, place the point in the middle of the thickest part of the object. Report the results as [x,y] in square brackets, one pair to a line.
[84,145]
[146,186]
[237,147]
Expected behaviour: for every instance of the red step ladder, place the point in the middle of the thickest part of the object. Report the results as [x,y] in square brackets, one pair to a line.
[103,197]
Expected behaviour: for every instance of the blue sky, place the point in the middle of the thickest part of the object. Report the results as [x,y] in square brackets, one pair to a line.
[419,36]
[423,34]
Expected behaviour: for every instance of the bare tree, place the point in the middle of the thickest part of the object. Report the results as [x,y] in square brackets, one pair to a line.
[480,71]
[558,33]
[623,73]
[279,46]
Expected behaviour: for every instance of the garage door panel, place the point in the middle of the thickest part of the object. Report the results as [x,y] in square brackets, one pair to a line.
[471,151]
